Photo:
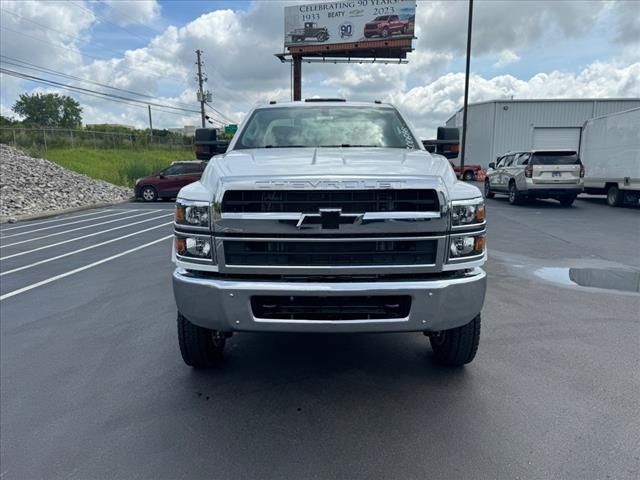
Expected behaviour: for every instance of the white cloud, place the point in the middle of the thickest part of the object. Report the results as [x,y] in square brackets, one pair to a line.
[131,12]
[239,46]
[506,57]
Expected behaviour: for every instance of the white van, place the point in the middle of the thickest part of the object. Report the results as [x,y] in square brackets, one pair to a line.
[610,152]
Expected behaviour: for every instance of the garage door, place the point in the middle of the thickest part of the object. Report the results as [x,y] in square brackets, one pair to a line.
[550,138]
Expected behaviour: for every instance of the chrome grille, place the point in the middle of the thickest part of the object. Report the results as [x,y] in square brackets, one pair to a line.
[323,253]
[349,201]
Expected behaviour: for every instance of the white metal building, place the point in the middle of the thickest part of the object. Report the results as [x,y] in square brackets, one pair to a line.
[499,126]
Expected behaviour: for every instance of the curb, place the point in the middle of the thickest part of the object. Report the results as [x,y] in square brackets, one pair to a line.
[54,213]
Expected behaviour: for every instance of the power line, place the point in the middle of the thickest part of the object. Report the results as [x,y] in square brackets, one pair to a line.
[222,116]
[64,47]
[98,94]
[33,66]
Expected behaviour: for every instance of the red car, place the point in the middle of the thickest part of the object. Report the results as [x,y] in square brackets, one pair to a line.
[385,25]
[169,181]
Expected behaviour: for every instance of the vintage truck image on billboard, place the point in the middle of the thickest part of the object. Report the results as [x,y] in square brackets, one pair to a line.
[310,31]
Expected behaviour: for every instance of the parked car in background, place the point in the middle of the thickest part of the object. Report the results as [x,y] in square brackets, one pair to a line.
[386,25]
[610,150]
[557,174]
[168,182]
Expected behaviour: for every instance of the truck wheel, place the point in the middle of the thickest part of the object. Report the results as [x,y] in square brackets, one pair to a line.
[614,196]
[200,347]
[468,176]
[567,201]
[487,189]
[148,194]
[322,37]
[458,346]
[385,32]
[515,198]
[405,29]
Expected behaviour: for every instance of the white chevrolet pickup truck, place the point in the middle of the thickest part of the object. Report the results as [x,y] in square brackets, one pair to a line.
[328,216]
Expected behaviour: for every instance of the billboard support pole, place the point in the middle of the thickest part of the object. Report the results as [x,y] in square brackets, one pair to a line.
[466,92]
[297,78]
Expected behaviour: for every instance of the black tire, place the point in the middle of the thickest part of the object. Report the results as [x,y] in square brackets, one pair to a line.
[567,201]
[515,198]
[467,176]
[615,197]
[322,37]
[200,347]
[458,346]
[148,194]
[487,189]
[385,32]
[405,29]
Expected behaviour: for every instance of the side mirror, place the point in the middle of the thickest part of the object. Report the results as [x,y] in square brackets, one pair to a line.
[492,165]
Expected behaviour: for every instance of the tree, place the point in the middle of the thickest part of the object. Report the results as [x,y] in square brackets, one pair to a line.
[49,110]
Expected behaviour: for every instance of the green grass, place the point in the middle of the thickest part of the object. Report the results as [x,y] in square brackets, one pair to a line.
[117,166]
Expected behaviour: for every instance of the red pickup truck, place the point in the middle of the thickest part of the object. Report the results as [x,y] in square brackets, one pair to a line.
[385,25]
[471,172]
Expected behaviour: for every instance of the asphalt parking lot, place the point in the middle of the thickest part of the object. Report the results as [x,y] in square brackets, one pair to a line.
[93,386]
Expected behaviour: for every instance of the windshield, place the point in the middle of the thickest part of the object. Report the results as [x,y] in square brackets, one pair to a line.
[381,18]
[555,158]
[324,126]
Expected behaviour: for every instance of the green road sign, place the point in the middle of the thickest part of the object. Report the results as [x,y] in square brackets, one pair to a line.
[231,129]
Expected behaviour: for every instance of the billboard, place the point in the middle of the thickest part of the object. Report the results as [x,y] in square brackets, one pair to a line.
[348,21]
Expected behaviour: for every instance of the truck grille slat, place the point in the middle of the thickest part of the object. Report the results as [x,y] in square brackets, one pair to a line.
[350,201]
[281,307]
[323,253]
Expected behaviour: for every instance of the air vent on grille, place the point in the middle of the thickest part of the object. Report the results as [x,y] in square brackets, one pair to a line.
[331,308]
[323,253]
[350,201]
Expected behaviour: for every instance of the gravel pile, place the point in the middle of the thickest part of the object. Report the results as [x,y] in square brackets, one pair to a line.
[31,185]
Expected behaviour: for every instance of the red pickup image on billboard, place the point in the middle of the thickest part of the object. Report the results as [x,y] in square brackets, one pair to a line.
[386,25]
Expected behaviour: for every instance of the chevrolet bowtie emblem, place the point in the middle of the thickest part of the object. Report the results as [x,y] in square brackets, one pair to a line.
[329,218]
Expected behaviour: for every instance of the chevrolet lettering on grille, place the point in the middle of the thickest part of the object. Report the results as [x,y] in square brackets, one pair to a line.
[329,219]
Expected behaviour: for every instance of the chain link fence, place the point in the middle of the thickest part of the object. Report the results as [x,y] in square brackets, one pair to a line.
[42,139]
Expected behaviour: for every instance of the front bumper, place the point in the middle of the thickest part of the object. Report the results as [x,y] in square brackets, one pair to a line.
[225,305]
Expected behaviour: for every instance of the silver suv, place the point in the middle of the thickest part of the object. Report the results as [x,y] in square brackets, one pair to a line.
[557,174]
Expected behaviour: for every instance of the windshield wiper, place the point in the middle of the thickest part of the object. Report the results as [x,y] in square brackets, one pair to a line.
[287,146]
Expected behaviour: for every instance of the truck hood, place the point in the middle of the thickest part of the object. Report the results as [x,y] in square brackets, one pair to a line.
[372,162]
[326,163]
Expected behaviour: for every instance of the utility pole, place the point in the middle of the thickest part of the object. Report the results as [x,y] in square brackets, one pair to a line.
[466,89]
[150,122]
[201,94]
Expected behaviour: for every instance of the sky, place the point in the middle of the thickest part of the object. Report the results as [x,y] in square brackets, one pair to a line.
[520,49]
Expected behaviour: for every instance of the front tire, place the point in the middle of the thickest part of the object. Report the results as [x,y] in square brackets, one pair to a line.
[468,176]
[200,347]
[487,189]
[385,32]
[458,346]
[614,196]
[148,194]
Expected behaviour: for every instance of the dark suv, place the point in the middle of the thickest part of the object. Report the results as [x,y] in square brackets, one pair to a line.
[169,181]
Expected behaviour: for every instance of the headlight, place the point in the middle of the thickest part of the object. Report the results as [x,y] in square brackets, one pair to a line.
[196,247]
[466,246]
[467,212]
[194,214]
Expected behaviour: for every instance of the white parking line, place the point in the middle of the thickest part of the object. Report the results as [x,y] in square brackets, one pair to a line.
[78,228]
[84,236]
[63,225]
[60,219]
[51,259]
[80,269]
